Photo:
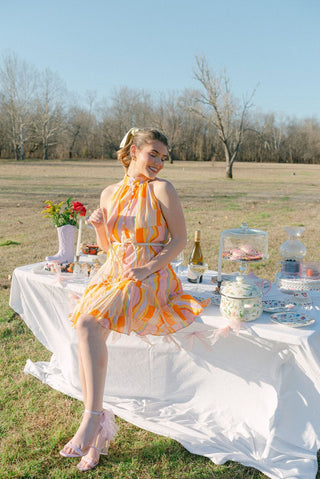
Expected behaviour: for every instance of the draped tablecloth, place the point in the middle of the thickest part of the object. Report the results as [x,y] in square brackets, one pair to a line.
[251,396]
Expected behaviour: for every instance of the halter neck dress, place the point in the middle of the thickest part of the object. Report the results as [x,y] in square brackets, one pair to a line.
[137,232]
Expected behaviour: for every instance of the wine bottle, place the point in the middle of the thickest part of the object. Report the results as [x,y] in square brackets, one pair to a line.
[196,257]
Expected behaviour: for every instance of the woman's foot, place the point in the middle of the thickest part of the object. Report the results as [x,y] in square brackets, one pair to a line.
[85,435]
[90,460]
[106,433]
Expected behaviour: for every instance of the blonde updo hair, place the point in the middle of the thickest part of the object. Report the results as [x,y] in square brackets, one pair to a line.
[140,138]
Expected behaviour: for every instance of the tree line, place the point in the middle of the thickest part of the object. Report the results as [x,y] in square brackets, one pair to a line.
[39,118]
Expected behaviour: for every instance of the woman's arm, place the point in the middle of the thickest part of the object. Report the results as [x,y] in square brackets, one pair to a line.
[98,218]
[173,214]
[97,221]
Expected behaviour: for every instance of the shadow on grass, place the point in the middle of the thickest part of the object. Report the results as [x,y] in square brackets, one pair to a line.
[166,458]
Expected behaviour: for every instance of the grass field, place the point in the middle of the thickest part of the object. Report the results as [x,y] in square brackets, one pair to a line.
[35,420]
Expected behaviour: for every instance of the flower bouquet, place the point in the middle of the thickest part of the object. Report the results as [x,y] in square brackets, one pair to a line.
[64,216]
[64,213]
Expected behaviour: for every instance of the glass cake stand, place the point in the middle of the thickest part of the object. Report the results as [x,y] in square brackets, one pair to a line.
[290,280]
[242,245]
[294,283]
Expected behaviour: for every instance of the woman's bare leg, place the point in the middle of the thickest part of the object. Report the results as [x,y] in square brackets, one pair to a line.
[93,360]
[82,379]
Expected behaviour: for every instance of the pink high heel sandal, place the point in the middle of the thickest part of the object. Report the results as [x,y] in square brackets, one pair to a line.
[107,432]
[76,451]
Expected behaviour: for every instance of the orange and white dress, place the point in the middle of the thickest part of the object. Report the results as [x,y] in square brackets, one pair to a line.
[137,231]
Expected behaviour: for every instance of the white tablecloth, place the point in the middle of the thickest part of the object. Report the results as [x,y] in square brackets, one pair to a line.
[252,397]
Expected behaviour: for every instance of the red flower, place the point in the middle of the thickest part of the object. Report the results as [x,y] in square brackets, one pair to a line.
[79,208]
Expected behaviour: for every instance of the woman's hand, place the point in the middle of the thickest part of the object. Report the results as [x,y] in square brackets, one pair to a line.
[97,218]
[136,274]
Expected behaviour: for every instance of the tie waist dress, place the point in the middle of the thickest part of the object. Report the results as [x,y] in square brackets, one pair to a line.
[137,231]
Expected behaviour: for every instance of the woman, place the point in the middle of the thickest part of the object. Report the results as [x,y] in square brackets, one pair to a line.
[141,227]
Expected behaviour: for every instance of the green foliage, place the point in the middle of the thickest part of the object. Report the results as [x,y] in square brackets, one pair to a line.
[9,243]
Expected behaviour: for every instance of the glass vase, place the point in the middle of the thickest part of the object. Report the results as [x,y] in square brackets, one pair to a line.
[293,249]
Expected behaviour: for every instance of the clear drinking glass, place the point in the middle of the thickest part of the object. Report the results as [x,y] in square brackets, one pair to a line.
[77,269]
[177,263]
[84,271]
[198,270]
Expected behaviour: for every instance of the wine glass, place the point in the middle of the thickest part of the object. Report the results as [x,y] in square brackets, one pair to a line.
[178,262]
[198,270]
[84,272]
[77,269]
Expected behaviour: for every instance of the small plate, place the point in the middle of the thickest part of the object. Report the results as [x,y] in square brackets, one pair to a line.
[301,298]
[40,270]
[276,306]
[295,320]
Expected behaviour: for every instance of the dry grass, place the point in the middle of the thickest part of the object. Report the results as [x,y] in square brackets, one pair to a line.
[263,195]
[32,427]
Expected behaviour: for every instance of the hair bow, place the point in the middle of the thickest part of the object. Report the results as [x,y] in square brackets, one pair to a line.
[127,137]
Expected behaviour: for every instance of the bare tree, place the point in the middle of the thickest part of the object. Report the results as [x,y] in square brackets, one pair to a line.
[48,116]
[79,126]
[217,105]
[312,131]
[18,82]
[197,138]
[130,107]
[168,117]
[37,114]
[90,98]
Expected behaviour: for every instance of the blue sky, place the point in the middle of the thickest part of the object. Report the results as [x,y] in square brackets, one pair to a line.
[101,45]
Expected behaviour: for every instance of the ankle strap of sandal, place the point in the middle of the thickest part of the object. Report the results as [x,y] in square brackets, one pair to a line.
[95,413]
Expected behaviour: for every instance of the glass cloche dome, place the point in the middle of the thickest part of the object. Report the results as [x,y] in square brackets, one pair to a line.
[242,245]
